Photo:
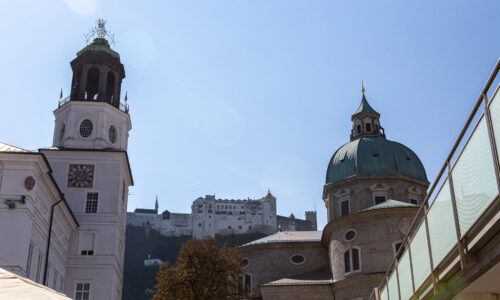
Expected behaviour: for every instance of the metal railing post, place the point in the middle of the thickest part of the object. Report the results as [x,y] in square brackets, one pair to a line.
[411,266]
[461,248]
[397,278]
[433,274]
[491,133]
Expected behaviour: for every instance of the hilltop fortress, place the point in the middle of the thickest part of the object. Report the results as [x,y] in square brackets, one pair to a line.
[210,216]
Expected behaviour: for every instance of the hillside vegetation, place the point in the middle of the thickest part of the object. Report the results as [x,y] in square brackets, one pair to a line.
[138,280]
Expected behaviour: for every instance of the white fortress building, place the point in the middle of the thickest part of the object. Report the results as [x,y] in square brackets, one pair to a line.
[210,216]
[63,209]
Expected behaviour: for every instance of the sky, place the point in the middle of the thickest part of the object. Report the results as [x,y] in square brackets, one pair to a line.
[233,98]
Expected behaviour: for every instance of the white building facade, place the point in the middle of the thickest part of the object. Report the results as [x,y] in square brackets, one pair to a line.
[63,209]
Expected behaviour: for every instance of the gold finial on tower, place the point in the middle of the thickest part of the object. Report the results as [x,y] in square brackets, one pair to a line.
[362,87]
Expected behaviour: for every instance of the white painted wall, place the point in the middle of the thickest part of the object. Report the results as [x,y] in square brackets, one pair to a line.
[28,223]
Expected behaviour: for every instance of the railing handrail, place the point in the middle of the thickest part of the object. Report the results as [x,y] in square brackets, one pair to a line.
[423,210]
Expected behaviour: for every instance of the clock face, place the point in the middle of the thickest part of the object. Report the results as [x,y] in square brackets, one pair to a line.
[80,176]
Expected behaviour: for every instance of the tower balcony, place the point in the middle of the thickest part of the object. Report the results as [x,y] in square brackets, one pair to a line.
[122,106]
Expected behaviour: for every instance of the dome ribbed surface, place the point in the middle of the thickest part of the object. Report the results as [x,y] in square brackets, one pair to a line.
[374,156]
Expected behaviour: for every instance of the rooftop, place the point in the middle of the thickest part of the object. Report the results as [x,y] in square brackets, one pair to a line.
[289,237]
[391,203]
[9,148]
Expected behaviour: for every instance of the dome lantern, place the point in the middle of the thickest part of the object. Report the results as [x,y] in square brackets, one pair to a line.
[365,120]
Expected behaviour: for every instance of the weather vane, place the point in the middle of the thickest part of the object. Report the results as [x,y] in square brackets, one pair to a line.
[100,31]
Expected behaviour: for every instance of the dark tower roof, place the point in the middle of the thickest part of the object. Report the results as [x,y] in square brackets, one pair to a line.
[97,74]
[365,107]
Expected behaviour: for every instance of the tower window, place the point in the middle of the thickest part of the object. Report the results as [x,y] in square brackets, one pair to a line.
[87,243]
[110,87]
[112,134]
[92,84]
[91,204]
[352,262]
[82,291]
[86,128]
[358,129]
[414,201]
[379,199]
[247,282]
[350,235]
[344,207]
[297,259]
[368,127]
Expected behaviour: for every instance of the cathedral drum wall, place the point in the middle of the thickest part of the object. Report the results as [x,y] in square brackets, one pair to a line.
[361,192]
[275,258]
[364,244]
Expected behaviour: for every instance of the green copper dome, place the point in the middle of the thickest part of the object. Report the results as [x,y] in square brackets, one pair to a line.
[374,156]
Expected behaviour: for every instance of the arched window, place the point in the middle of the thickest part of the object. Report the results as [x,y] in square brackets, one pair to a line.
[368,127]
[110,88]
[358,128]
[352,260]
[92,84]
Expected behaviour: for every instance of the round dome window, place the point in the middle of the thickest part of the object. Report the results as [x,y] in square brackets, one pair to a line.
[86,128]
[112,134]
[350,235]
[244,263]
[297,259]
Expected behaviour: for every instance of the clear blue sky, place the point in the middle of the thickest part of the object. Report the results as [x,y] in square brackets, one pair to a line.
[233,97]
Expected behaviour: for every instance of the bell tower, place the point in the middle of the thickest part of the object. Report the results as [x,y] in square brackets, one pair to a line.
[90,164]
[365,120]
[92,117]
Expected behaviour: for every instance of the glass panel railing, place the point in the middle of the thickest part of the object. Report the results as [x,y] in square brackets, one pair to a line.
[495,117]
[404,273]
[442,233]
[383,294]
[420,256]
[393,287]
[474,179]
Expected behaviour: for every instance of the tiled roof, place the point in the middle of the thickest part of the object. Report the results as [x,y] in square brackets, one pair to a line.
[319,276]
[289,237]
[9,148]
[389,204]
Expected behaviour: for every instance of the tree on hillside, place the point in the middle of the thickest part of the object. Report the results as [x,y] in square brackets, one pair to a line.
[203,272]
